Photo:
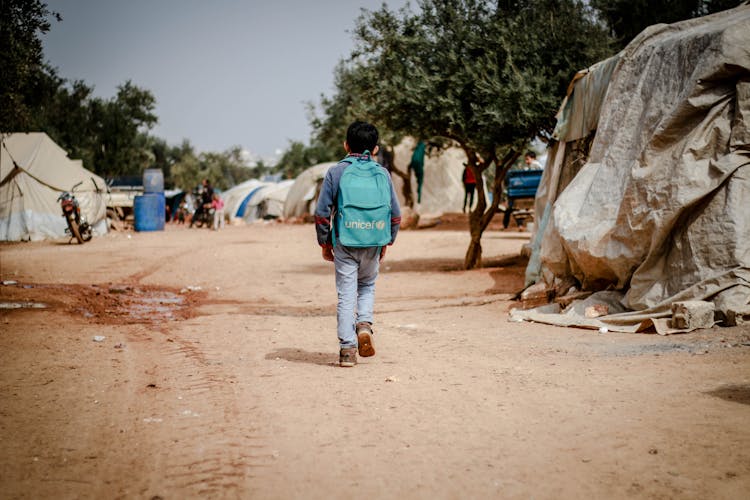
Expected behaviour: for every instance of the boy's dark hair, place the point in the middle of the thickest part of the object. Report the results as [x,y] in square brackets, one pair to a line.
[361,137]
[531,154]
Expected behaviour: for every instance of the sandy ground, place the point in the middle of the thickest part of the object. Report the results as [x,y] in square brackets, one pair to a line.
[217,378]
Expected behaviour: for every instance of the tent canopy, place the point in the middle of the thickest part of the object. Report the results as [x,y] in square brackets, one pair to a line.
[234,196]
[268,202]
[303,193]
[443,188]
[33,172]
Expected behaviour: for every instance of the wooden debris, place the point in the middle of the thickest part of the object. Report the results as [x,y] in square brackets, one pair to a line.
[536,295]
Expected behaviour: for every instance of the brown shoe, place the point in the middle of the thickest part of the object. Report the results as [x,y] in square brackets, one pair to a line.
[348,357]
[364,339]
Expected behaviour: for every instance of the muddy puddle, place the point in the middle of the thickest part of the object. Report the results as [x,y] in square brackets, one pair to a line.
[109,304]
[22,305]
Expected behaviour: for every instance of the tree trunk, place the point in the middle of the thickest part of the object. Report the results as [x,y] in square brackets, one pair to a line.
[473,257]
[406,186]
[482,214]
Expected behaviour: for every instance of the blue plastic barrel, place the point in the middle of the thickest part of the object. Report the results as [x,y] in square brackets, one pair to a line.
[148,210]
[153,180]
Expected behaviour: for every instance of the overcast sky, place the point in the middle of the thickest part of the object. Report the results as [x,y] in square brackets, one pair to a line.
[224,72]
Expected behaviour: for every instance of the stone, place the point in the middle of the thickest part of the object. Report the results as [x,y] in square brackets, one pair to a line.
[692,314]
[737,316]
[596,310]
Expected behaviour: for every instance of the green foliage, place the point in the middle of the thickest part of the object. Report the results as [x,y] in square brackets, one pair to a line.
[62,111]
[627,18]
[224,170]
[298,157]
[484,74]
[21,23]
[118,127]
[185,172]
[109,135]
[487,75]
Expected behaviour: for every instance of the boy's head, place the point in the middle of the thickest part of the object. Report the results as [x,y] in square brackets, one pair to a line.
[530,157]
[361,137]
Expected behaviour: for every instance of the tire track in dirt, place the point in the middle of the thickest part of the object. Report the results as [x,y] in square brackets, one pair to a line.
[193,423]
[212,447]
[402,304]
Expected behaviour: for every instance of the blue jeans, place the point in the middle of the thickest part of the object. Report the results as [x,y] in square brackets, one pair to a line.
[356,271]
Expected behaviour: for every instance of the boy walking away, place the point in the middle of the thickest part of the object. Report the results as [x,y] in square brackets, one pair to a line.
[356,218]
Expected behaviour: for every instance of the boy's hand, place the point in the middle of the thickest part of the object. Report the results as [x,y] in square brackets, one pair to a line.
[382,252]
[328,253]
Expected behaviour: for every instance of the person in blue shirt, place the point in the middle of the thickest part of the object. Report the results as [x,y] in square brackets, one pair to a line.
[356,268]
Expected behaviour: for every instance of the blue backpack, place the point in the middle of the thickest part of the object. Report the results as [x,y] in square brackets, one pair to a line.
[363,209]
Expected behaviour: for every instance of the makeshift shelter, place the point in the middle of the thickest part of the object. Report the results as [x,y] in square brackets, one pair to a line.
[443,189]
[254,200]
[303,193]
[268,203]
[659,210]
[236,198]
[33,172]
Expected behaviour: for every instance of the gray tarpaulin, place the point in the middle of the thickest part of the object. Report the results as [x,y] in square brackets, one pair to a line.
[660,211]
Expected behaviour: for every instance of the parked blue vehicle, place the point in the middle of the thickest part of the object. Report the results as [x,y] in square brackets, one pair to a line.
[520,184]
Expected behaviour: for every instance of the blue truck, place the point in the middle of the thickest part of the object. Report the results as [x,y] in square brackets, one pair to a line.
[521,184]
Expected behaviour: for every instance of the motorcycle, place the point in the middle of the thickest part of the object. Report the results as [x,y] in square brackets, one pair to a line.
[78,228]
[203,217]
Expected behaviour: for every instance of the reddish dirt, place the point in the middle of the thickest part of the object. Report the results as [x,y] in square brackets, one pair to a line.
[217,377]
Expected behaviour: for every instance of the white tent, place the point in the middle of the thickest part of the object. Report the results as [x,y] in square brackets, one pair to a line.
[255,199]
[269,201]
[304,191]
[443,189]
[235,198]
[33,172]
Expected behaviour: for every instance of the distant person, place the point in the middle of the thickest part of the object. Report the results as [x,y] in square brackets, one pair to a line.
[182,211]
[218,205]
[359,194]
[470,184]
[531,161]
[189,202]
[206,197]
[417,165]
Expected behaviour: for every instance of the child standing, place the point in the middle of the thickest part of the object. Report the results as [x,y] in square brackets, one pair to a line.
[354,238]
[218,205]
[470,184]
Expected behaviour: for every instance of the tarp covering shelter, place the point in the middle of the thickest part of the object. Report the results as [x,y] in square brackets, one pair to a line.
[33,172]
[255,199]
[234,197]
[443,189]
[268,203]
[659,210]
[303,193]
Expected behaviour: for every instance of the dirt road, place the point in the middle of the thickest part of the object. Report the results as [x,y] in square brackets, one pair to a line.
[216,378]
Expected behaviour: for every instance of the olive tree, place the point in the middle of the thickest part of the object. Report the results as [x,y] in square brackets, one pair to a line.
[487,75]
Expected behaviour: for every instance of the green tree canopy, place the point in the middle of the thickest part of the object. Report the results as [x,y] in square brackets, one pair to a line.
[627,18]
[21,24]
[298,157]
[118,126]
[487,75]
[224,170]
